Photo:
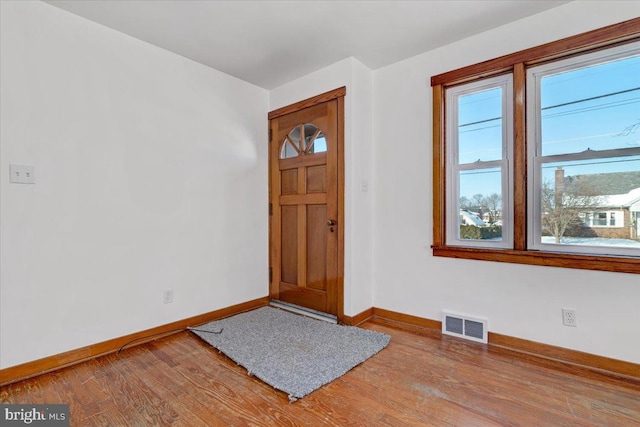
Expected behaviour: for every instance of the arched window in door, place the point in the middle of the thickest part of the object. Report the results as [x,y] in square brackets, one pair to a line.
[303,139]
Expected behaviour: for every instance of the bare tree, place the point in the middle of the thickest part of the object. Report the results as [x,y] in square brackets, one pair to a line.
[465,203]
[492,204]
[477,202]
[561,205]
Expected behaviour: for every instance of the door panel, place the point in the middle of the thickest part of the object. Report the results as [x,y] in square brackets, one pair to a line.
[290,181]
[316,179]
[305,235]
[290,244]
[317,247]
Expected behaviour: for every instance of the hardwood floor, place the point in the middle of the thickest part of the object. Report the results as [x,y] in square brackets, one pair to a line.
[421,378]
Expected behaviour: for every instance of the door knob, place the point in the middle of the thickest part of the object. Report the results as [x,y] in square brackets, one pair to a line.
[331,223]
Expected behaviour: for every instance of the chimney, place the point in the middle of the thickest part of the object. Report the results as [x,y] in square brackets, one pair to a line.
[559,179]
[559,185]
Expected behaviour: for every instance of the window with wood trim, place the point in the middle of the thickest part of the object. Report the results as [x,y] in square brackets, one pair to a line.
[537,155]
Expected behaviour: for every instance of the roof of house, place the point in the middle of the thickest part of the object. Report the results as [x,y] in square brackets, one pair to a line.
[472,218]
[621,200]
[609,183]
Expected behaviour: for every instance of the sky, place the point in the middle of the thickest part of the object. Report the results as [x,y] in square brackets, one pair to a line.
[595,107]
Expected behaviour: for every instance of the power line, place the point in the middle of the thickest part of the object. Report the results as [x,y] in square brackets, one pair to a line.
[613,104]
[557,141]
[591,98]
[602,68]
[595,71]
[480,121]
[630,129]
[606,95]
[480,172]
[492,96]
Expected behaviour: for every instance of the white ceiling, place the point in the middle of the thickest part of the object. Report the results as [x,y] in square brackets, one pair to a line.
[269,43]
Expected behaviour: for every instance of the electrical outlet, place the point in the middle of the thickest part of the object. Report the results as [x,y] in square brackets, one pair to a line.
[167,296]
[569,317]
[22,174]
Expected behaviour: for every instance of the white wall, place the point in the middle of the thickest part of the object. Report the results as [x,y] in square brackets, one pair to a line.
[519,300]
[151,173]
[358,286]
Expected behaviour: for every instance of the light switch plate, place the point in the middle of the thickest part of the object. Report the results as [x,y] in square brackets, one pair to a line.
[22,174]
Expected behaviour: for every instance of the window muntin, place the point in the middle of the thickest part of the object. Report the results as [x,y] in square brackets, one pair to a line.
[480,133]
[312,142]
[583,119]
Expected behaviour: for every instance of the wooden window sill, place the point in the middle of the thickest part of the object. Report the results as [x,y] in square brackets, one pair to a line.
[551,259]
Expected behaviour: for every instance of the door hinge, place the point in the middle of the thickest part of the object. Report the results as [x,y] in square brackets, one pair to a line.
[270,209]
[270,274]
[270,134]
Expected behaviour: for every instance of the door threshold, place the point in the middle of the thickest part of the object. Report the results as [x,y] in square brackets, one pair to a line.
[319,315]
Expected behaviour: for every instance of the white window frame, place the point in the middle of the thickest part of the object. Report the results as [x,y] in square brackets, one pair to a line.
[535,160]
[616,215]
[505,82]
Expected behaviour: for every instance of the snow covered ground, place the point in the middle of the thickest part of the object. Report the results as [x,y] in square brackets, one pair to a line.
[593,241]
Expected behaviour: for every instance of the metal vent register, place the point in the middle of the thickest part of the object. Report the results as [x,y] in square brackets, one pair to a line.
[463,326]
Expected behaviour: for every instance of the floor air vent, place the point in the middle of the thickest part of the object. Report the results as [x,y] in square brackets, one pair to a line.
[462,326]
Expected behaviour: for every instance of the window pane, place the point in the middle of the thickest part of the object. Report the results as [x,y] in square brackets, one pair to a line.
[591,202]
[601,219]
[287,150]
[319,145]
[480,126]
[595,107]
[480,204]
[309,131]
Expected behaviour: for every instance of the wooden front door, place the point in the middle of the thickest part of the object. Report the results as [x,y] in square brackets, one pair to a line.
[306,230]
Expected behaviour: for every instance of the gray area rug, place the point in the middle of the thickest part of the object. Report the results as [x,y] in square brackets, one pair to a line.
[290,352]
